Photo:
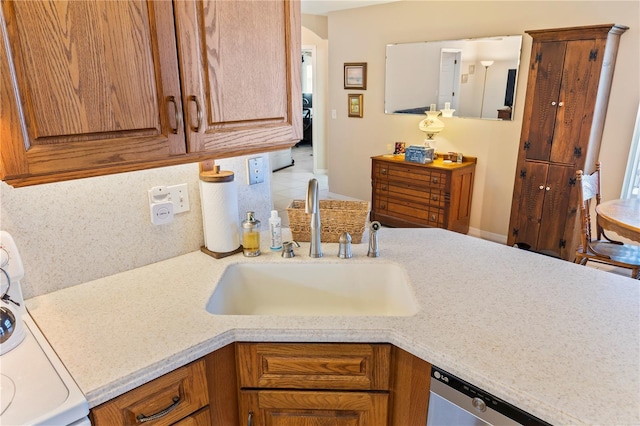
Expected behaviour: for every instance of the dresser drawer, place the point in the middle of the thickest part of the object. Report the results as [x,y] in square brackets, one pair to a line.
[313,366]
[417,174]
[411,192]
[414,212]
[176,394]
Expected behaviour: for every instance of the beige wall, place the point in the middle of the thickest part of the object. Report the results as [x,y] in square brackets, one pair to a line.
[73,232]
[360,35]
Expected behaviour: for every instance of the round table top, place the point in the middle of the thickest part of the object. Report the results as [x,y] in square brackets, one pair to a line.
[621,217]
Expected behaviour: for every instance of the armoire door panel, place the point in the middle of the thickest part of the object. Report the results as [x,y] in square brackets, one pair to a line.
[534,178]
[546,70]
[555,209]
[576,100]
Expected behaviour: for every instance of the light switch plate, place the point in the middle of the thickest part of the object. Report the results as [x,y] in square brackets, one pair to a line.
[255,168]
[179,196]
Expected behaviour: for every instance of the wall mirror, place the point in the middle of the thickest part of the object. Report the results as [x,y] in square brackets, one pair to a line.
[475,77]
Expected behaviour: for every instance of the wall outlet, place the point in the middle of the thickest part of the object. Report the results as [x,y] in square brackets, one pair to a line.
[255,169]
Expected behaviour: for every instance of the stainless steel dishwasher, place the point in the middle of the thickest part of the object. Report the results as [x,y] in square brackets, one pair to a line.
[452,401]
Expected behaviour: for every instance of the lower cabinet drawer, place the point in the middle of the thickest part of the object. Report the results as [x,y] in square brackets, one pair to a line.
[314,366]
[162,401]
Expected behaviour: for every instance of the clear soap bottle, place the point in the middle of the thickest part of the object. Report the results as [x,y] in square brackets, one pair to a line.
[275,231]
[251,236]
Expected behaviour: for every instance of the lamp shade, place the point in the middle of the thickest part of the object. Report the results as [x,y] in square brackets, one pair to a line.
[486,64]
[431,125]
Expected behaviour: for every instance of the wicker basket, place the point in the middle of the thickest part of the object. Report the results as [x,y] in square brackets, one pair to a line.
[336,217]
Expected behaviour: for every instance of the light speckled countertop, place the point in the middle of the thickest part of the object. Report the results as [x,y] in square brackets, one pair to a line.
[558,340]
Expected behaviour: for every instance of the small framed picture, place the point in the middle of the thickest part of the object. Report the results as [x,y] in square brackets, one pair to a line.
[355,105]
[355,75]
[472,69]
[464,78]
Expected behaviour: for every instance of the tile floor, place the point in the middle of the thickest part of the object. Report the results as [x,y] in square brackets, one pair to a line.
[291,183]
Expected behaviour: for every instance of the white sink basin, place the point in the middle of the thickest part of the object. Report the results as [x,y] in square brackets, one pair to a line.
[316,289]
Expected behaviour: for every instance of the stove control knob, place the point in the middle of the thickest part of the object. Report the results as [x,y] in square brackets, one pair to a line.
[479,404]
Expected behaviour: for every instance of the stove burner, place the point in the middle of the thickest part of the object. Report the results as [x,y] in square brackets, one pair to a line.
[7,392]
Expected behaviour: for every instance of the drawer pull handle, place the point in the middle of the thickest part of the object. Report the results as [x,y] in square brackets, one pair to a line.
[194,99]
[141,418]
[435,180]
[434,197]
[250,419]
[383,171]
[178,113]
[384,187]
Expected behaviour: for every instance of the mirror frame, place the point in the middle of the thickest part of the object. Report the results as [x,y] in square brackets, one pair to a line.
[450,71]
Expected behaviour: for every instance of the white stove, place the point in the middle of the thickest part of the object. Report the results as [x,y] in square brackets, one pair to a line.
[35,387]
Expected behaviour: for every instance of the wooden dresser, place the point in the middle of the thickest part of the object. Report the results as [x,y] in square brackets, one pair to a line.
[437,194]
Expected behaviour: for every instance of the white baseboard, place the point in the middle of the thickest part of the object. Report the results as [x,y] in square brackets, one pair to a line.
[497,238]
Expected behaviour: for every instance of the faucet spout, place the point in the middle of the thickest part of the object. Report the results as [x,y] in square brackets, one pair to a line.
[312,207]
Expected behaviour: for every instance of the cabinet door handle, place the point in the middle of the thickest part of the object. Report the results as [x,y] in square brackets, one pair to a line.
[141,418]
[178,114]
[553,103]
[560,103]
[194,99]
[547,188]
[541,187]
[250,419]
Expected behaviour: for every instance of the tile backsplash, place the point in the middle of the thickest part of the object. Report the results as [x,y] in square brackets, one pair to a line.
[77,231]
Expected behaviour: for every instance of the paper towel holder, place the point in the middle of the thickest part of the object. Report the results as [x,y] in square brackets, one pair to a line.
[218,176]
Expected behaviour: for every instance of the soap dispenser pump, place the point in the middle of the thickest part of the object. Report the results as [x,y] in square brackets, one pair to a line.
[251,236]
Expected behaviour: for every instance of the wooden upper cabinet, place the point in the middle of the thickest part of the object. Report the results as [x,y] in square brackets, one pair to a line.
[96,87]
[240,63]
[88,84]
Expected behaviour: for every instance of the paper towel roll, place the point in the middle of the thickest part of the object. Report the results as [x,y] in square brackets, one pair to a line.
[219,199]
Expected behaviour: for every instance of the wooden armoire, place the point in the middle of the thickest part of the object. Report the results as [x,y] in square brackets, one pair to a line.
[568,88]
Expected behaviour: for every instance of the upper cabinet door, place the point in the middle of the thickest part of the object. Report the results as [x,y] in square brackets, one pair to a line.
[240,64]
[88,84]
[566,77]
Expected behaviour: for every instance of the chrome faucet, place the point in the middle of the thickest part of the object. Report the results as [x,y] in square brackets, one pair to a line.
[312,207]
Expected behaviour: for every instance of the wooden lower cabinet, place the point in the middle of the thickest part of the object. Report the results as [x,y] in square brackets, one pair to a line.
[313,408]
[199,418]
[282,384]
[355,384]
[163,401]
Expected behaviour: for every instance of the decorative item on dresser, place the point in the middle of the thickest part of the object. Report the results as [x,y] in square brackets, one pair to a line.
[567,95]
[437,194]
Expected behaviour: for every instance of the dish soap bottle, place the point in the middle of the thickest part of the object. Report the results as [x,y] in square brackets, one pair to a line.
[251,236]
[275,231]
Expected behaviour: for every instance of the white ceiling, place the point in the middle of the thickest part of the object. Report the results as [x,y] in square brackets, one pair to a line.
[322,7]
